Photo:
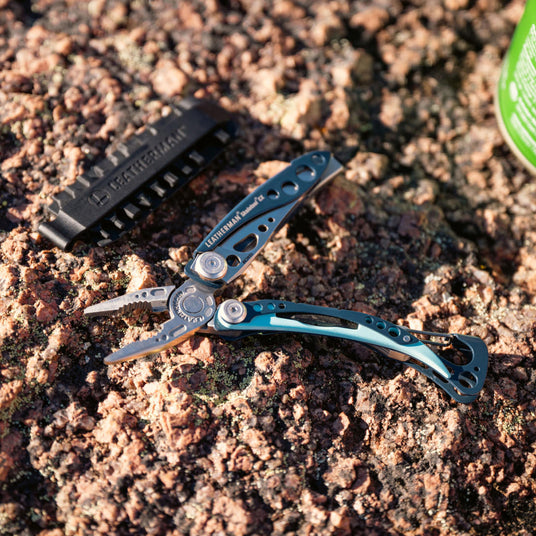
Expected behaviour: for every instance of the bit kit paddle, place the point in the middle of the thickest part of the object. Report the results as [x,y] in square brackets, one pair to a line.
[123,189]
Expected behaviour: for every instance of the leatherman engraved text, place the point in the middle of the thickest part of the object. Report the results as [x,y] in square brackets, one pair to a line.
[120,191]
[232,222]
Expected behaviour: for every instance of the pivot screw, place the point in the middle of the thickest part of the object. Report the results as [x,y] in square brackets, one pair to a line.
[233,312]
[210,266]
[192,305]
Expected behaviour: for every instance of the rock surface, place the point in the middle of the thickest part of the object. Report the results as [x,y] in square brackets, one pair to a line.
[431,225]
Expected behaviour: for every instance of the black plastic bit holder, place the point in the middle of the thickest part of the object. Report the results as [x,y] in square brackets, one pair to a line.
[123,189]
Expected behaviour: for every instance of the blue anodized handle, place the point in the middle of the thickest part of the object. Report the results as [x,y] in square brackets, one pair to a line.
[279,316]
[461,379]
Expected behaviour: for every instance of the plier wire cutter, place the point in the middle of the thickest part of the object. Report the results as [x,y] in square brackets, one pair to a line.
[230,248]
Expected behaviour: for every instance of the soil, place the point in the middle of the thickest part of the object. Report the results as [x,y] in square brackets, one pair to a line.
[431,225]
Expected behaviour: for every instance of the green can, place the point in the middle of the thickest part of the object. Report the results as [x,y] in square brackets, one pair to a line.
[516,91]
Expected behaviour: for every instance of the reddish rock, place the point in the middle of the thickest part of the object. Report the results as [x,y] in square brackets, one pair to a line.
[431,225]
[168,80]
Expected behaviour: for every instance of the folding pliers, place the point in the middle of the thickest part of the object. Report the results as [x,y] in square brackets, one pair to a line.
[231,247]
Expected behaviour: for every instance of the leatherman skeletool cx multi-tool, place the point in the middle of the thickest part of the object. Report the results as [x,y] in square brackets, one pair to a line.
[230,248]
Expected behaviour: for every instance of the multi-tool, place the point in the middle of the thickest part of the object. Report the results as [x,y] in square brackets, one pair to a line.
[231,247]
